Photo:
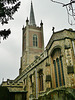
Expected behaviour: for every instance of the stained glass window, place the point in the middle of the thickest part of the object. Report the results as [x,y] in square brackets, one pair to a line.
[62,70]
[55,73]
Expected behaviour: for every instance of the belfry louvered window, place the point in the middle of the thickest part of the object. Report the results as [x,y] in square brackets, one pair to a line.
[35,40]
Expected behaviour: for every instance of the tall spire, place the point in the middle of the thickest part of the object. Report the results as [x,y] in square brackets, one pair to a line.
[32,18]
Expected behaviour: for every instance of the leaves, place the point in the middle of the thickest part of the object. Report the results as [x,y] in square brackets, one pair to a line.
[7,10]
[5,33]
[70,7]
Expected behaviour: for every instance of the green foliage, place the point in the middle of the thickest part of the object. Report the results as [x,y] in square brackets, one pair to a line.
[7,10]
[5,33]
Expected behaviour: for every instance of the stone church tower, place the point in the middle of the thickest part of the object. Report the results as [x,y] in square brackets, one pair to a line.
[32,41]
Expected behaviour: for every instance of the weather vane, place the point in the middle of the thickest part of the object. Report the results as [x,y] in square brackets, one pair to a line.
[70,7]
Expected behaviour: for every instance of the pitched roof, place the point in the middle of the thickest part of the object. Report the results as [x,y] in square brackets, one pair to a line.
[60,35]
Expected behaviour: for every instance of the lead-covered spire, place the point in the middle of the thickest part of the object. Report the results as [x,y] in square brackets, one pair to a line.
[32,18]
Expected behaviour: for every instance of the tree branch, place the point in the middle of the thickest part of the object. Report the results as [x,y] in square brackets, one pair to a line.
[5,33]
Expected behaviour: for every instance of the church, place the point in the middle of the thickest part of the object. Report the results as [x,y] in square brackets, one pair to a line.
[42,69]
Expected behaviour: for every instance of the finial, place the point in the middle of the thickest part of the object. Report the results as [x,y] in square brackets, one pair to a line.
[27,21]
[41,23]
[2,79]
[23,27]
[53,29]
[0,39]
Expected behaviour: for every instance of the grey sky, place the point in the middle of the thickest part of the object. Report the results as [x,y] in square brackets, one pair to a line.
[52,15]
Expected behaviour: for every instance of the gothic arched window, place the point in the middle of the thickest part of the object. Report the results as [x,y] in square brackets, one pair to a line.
[35,40]
[58,67]
[40,74]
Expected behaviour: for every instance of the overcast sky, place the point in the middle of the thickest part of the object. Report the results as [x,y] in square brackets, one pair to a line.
[52,15]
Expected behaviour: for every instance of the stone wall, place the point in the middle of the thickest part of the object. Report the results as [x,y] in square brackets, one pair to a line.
[59,94]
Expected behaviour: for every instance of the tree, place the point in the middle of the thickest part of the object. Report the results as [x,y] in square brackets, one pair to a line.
[4,93]
[70,7]
[7,10]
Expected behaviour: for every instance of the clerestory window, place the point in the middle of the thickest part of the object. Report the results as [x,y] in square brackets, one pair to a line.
[41,80]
